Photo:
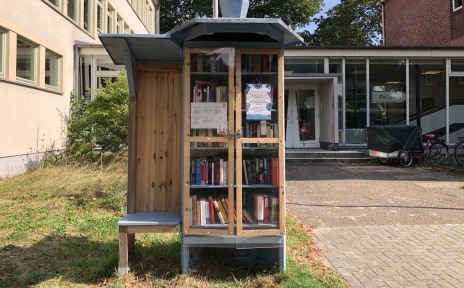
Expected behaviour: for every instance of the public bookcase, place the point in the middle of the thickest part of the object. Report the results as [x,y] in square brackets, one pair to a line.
[207,134]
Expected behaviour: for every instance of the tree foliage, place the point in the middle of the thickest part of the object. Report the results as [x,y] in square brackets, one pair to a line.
[294,13]
[102,122]
[350,23]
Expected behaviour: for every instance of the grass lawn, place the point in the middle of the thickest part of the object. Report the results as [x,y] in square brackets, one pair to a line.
[58,228]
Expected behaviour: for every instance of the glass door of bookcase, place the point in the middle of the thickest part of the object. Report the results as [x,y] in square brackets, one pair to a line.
[209,147]
[233,148]
[259,193]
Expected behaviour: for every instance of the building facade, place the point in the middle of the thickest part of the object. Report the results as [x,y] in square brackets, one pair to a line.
[334,94]
[44,55]
[423,23]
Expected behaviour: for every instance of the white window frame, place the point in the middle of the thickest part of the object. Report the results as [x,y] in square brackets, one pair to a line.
[119,25]
[2,52]
[54,70]
[457,5]
[34,61]
[110,16]
[58,2]
[101,19]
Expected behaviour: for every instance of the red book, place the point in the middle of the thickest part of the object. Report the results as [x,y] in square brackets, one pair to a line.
[275,171]
[217,170]
[211,210]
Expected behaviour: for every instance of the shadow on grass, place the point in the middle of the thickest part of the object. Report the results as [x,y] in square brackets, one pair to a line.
[80,260]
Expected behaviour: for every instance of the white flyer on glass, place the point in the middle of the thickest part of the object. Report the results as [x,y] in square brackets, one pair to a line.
[258,101]
[209,115]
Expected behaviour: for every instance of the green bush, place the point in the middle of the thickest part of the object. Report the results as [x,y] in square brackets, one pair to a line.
[102,123]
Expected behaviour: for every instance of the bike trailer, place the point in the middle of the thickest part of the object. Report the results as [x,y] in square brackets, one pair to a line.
[386,141]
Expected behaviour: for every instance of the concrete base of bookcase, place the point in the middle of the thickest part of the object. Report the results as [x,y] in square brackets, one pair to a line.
[267,251]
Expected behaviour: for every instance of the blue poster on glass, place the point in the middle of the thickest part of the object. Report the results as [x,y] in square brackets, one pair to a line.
[258,101]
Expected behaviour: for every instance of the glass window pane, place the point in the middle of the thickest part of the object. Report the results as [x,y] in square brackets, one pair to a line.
[88,15]
[457,65]
[110,18]
[293,66]
[25,61]
[355,102]
[56,3]
[428,96]
[100,15]
[119,26]
[52,69]
[73,9]
[387,81]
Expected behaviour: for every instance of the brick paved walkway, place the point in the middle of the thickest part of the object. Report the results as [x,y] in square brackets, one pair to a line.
[383,226]
[395,256]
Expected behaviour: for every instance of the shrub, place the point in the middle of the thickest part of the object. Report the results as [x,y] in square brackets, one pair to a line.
[101,123]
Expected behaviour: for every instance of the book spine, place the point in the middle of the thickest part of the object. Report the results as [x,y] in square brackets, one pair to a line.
[211,210]
[266,214]
[275,171]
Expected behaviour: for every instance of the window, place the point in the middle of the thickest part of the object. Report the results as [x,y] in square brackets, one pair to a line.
[73,9]
[88,12]
[2,53]
[126,29]
[119,25]
[110,19]
[26,58]
[56,3]
[457,4]
[100,15]
[52,69]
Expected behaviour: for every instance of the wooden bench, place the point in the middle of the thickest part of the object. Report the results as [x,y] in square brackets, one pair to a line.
[143,222]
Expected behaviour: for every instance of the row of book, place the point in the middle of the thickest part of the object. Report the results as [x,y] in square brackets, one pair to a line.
[215,210]
[213,171]
[208,63]
[260,129]
[206,171]
[259,63]
[261,171]
[204,91]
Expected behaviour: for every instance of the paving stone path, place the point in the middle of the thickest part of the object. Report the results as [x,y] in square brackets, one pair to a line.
[383,226]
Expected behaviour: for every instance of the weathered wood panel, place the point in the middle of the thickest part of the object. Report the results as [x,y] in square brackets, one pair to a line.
[158,138]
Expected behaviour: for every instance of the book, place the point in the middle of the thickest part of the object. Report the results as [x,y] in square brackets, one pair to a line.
[218,212]
[245,172]
[265,63]
[203,171]
[193,207]
[247,216]
[259,208]
[211,210]
[266,209]
[274,209]
[275,171]
[224,211]
[203,212]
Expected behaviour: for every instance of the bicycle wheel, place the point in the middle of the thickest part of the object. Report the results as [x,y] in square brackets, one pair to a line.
[438,151]
[383,160]
[405,158]
[459,153]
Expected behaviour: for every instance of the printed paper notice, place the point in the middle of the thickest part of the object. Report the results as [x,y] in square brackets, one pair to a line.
[258,101]
[209,115]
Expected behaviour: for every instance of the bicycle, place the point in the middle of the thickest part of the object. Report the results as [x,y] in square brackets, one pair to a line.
[435,149]
[459,151]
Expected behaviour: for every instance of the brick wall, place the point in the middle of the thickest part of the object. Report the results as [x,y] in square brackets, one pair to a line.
[422,23]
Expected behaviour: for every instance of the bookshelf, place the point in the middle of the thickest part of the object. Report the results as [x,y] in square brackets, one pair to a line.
[233,143]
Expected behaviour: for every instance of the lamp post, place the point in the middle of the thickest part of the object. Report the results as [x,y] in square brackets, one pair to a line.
[234,8]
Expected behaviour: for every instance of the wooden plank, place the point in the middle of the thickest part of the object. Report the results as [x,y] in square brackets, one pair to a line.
[123,256]
[262,232]
[155,96]
[154,67]
[153,229]
[177,140]
[186,140]
[280,99]
[132,156]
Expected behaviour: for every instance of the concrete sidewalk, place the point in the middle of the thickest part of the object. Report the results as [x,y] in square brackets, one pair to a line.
[383,226]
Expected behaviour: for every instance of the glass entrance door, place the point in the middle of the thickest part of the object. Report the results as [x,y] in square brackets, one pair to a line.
[301,117]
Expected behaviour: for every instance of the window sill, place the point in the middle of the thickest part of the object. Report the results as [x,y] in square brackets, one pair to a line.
[24,84]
